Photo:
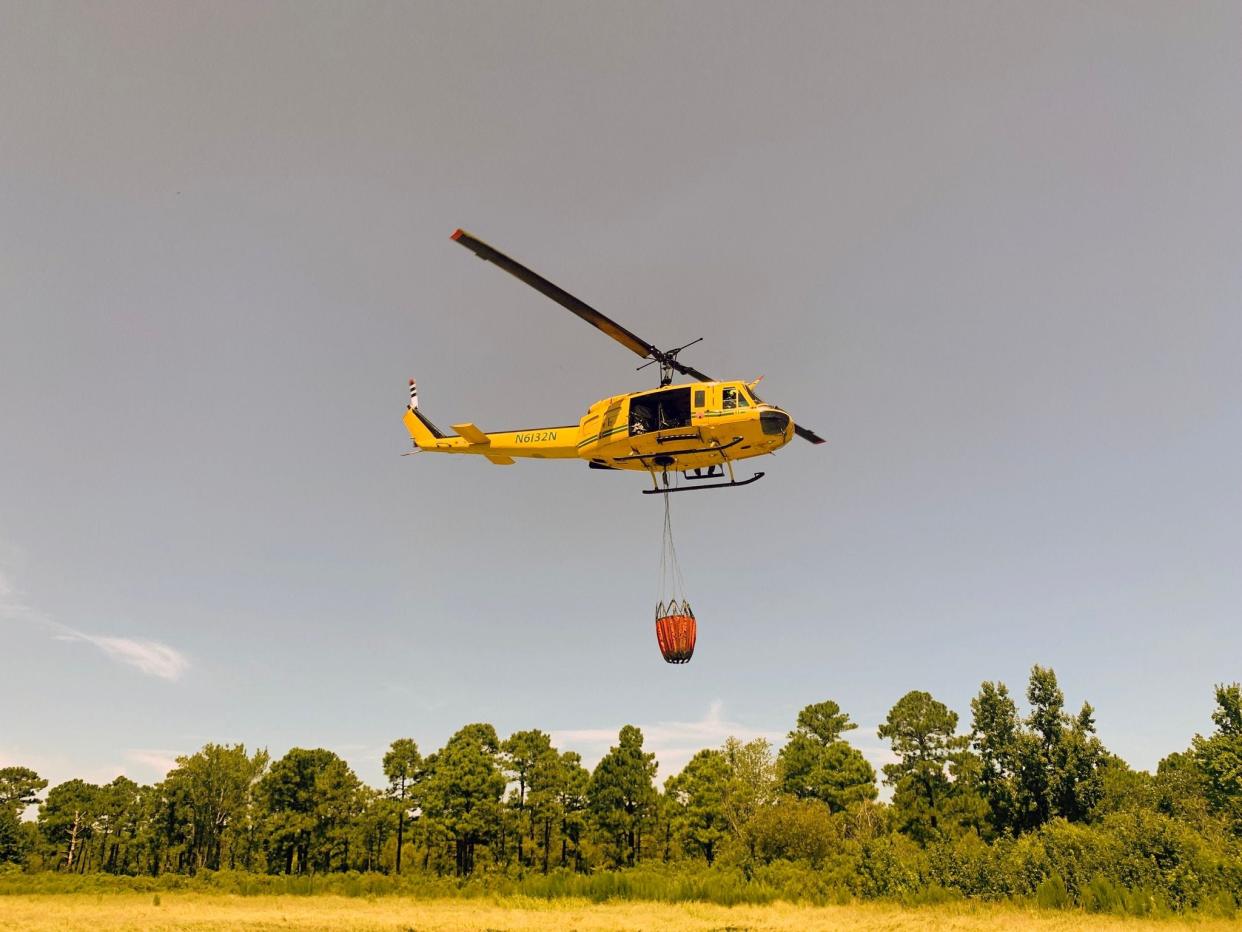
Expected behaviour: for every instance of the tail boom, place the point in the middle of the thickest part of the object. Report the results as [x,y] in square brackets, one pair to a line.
[501,447]
[535,443]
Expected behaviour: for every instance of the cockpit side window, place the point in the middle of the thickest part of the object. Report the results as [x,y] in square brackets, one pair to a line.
[728,399]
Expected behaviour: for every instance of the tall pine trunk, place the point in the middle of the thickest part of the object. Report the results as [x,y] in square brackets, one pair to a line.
[547,840]
[400,836]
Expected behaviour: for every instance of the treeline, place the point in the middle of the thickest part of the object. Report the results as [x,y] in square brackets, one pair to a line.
[1021,805]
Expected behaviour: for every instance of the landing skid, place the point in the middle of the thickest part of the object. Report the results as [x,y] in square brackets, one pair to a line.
[702,488]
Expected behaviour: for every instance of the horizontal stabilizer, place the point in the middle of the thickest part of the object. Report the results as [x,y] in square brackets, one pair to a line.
[471,433]
[500,460]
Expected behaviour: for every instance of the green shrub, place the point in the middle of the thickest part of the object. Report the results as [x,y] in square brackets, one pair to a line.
[799,882]
[972,867]
[891,866]
[1129,863]
[1052,894]
[795,830]
[1100,895]
[1222,905]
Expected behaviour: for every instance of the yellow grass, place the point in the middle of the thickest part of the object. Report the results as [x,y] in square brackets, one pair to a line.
[207,912]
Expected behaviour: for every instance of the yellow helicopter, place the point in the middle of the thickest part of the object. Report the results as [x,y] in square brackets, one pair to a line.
[696,429]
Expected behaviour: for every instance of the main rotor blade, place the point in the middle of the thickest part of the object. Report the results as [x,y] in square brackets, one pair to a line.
[807,434]
[691,371]
[559,295]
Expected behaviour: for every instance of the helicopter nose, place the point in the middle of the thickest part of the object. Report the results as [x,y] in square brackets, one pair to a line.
[774,422]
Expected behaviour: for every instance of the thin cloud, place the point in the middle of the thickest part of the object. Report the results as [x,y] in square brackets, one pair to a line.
[151,657]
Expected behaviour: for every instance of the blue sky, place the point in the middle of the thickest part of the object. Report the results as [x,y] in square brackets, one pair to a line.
[990,252]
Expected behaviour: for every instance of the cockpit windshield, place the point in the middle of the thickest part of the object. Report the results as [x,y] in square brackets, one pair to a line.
[735,396]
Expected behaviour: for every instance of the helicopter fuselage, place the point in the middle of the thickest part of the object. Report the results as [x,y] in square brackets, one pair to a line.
[674,428]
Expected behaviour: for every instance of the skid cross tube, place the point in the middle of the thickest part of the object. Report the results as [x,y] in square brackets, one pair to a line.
[713,472]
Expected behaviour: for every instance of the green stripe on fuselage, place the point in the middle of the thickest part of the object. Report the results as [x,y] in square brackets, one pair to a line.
[607,433]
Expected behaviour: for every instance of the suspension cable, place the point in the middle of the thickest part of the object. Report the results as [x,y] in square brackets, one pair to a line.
[672,585]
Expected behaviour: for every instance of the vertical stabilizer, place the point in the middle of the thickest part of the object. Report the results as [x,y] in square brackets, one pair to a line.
[422,431]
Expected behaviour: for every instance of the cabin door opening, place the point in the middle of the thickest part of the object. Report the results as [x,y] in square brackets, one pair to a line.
[664,410]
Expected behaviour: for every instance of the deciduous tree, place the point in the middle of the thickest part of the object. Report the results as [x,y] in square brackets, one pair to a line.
[795,830]
[1219,756]
[1035,770]
[752,781]
[212,792]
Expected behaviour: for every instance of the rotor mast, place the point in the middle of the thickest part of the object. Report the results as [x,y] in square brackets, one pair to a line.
[667,360]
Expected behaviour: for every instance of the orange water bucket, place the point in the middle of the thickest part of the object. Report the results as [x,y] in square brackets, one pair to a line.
[675,631]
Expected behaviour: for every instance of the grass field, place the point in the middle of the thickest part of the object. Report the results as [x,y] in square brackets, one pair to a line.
[207,913]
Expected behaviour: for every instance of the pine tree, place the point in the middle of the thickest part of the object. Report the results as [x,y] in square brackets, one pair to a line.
[698,795]
[402,766]
[923,735]
[621,795]
[818,764]
[462,791]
